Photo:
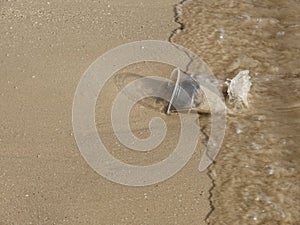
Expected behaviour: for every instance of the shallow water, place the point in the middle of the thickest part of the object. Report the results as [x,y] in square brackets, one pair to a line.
[256,175]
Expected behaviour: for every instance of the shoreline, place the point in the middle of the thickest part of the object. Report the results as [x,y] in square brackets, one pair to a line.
[258,163]
[47,46]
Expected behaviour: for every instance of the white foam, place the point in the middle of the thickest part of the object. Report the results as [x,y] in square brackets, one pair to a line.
[238,89]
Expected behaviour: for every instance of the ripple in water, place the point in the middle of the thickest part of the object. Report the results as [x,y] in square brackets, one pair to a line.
[257,171]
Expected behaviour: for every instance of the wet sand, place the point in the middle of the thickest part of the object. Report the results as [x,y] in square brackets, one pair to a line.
[45,49]
[256,174]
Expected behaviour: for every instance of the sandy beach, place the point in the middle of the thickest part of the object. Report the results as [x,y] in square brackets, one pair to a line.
[45,48]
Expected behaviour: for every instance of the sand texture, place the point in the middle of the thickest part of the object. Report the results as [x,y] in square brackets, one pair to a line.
[45,48]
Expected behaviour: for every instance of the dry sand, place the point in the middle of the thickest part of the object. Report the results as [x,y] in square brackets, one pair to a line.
[45,48]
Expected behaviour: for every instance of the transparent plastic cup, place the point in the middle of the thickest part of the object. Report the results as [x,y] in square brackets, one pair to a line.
[186,93]
[181,93]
